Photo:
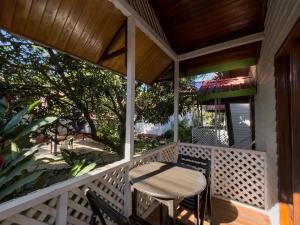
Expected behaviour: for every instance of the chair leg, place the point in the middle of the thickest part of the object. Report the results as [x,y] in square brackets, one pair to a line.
[134,202]
[196,208]
[203,206]
[161,215]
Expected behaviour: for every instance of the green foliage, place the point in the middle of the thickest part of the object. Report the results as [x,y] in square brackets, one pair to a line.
[78,163]
[30,70]
[13,128]
[18,173]
[184,132]
[141,145]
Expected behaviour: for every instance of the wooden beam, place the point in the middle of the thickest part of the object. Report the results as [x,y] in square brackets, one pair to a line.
[127,10]
[176,99]
[117,35]
[113,54]
[222,46]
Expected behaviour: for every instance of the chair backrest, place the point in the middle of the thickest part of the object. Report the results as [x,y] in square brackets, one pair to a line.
[100,208]
[198,163]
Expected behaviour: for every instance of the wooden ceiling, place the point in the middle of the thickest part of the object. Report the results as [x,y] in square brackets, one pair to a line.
[193,24]
[92,30]
[226,60]
[95,31]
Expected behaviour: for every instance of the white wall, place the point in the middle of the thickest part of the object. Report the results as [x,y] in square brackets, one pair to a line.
[159,129]
[281,16]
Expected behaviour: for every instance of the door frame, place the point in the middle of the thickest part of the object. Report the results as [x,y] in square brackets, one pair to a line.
[287,84]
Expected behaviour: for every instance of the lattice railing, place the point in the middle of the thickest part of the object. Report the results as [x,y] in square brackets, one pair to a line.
[236,174]
[65,203]
[210,136]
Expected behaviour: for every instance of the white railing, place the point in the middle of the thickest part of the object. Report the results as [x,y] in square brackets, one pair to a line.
[236,174]
[65,203]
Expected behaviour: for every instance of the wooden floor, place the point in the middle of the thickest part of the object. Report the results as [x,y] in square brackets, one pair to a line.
[223,212]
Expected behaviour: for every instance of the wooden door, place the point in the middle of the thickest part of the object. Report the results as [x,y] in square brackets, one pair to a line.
[287,72]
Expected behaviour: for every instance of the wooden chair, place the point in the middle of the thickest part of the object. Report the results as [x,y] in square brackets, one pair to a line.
[101,208]
[193,203]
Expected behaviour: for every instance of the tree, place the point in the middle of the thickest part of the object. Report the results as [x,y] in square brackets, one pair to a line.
[78,91]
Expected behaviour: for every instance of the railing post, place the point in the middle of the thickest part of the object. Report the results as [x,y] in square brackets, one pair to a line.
[62,209]
[213,171]
[130,111]
[176,99]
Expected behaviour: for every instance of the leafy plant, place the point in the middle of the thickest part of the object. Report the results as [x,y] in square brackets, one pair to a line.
[12,130]
[18,174]
[79,165]
[18,171]
[184,132]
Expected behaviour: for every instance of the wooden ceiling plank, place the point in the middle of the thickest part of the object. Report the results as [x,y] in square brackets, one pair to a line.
[59,21]
[6,13]
[48,19]
[215,31]
[35,17]
[218,20]
[94,32]
[80,26]
[222,46]
[207,22]
[21,13]
[88,20]
[70,24]
[112,20]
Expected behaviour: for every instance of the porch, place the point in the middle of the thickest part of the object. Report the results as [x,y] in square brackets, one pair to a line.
[238,185]
[128,38]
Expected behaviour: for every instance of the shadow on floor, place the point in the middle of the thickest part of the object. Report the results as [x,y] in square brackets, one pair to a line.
[223,212]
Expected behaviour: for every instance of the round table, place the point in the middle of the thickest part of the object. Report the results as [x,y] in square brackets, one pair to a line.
[168,182]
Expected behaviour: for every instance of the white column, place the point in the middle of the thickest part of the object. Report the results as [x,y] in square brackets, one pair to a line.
[129,138]
[176,99]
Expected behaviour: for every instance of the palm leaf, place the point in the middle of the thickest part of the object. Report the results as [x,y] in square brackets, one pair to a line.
[86,169]
[16,119]
[35,126]
[4,102]
[19,184]
[16,172]
[23,156]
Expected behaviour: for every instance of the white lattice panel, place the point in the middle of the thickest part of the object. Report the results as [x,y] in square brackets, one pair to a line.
[109,187]
[195,151]
[41,214]
[144,202]
[240,175]
[169,154]
[210,136]
[143,160]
